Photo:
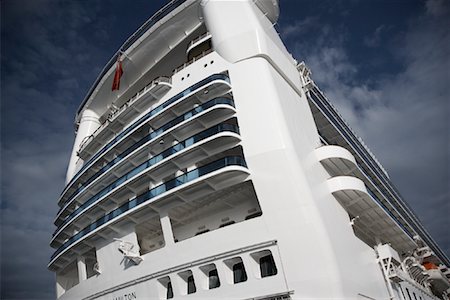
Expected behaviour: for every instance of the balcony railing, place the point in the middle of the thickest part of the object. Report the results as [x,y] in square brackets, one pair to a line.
[375,198]
[147,165]
[143,119]
[114,114]
[149,195]
[203,54]
[158,132]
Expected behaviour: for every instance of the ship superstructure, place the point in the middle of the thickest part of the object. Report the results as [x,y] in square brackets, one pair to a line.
[219,170]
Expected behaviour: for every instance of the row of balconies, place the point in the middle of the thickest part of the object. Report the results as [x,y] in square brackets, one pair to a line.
[195,183]
[208,88]
[370,218]
[336,131]
[215,110]
[152,159]
[182,154]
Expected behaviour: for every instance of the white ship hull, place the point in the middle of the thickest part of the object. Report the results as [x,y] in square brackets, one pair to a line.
[222,181]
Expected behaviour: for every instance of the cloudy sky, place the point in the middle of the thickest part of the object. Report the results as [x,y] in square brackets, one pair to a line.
[385,65]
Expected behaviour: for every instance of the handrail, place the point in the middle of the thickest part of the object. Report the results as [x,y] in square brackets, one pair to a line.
[199,38]
[395,199]
[151,136]
[169,7]
[150,194]
[142,119]
[147,165]
[203,54]
[116,112]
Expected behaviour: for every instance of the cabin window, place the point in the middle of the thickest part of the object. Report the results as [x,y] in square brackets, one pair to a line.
[267,266]
[165,288]
[213,278]
[239,274]
[191,285]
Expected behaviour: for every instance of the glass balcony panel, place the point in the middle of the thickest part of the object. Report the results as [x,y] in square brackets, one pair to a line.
[153,112]
[145,139]
[157,158]
[226,161]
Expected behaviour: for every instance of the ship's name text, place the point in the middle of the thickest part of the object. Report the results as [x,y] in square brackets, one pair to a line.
[128,296]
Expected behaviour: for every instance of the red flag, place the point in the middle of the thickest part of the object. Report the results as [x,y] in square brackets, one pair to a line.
[117,75]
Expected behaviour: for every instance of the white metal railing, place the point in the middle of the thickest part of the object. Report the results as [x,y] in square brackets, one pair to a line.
[204,53]
[116,111]
[205,36]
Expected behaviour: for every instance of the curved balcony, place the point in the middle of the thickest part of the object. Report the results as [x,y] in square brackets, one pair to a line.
[336,160]
[370,215]
[208,88]
[213,176]
[197,41]
[211,141]
[125,113]
[177,125]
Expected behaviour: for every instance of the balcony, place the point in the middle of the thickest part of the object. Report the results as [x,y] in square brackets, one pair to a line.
[208,88]
[336,160]
[118,117]
[199,45]
[199,182]
[370,218]
[193,121]
[209,142]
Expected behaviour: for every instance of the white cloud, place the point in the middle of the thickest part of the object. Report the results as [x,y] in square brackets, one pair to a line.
[403,117]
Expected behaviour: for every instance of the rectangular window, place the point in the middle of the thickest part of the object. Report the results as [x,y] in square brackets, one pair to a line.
[267,266]
[214,280]
[239,274]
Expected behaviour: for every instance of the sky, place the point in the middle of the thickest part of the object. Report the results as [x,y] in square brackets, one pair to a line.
[383,63]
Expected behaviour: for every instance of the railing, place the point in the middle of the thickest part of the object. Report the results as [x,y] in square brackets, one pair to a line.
[373,195]
[144,118]
[124,106]
[172,5]
[147,165]
[394,199]
[206,34]
[150,194]
[204,53]
[158,132]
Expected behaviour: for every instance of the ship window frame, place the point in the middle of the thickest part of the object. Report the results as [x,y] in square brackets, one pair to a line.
[166,290]
[205,273]
[257,265]
[231,263]
[187,284]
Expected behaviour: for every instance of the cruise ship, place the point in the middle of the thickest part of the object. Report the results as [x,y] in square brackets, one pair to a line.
[207,164]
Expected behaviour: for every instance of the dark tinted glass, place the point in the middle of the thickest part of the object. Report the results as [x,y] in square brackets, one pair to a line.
[239,274]
[191,285]
[213,279]
[267,266]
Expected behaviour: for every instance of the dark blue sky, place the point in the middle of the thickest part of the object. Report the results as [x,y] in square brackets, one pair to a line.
[384,64]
